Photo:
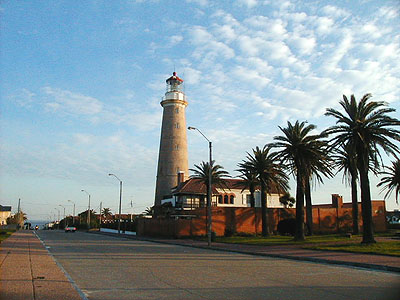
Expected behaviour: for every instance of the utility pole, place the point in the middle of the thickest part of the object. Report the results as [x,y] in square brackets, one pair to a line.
[101,204]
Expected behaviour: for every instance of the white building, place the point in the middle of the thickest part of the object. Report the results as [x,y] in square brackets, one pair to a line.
[5,212]
[191,194]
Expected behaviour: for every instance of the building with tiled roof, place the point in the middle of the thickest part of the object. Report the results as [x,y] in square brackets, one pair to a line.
[192,193]
[5,212]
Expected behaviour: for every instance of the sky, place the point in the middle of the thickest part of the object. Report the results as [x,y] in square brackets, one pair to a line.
[82,81]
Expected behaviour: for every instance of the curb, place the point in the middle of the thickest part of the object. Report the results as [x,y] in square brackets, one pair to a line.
[297,258]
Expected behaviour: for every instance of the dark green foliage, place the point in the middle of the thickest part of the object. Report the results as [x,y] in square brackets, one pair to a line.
[365,128]
[305,156]
[391,181]
[269,173]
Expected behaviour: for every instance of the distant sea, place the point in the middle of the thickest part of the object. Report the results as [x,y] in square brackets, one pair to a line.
[39,223]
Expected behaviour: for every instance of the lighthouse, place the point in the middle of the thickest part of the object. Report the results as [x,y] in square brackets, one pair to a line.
[173,154]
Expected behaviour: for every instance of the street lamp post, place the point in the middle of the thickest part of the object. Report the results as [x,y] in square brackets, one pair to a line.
[73,215]
[209,211]
[120,200]
[88,215]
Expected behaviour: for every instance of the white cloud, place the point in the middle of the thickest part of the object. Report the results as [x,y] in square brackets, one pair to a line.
[225,32]
[81,138]
[72,103]
[335,12]
[207,47]
[303,44]
[24,98]
[199,2]
[248,3]
[250,76]
[270,28]
[175,39]
[340,51]
[192,76]
[386,12]
[324,25]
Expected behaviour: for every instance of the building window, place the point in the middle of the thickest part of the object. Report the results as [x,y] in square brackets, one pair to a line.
[220,199]
[248,200]
[231,199]
[226,199]
[177,110]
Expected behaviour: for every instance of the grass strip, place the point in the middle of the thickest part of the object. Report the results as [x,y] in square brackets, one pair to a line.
[5,233]
[286,240]
[391,248]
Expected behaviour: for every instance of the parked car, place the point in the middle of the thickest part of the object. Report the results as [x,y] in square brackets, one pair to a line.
[70,229]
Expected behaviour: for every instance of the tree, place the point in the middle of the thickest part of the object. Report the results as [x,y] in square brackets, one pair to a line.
[249,181]
[93,221]
[365,127]
[287,200]
[269,174]
[19,219]
[106,212]
[305,156]
[392,180]
[347,162]
[201,172]
[149,211]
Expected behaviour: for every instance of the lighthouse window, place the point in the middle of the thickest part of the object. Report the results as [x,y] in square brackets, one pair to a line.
[177,110]
[176,147]
[177,125]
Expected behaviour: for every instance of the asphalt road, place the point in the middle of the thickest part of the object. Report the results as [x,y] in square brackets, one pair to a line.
[105,267]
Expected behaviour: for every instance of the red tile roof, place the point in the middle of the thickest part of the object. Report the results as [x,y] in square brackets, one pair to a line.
[196,186]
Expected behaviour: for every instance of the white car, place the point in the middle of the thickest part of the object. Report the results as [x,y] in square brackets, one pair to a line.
[70,229]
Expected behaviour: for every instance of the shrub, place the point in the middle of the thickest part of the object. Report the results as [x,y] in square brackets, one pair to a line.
[287,227]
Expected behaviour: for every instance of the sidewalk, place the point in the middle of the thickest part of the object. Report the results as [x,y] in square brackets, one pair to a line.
[28,271]
[369,261]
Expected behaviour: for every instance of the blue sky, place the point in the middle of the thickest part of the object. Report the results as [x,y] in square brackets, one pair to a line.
[81,83]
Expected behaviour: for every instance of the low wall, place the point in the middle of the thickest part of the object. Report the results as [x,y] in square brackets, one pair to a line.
[227,220]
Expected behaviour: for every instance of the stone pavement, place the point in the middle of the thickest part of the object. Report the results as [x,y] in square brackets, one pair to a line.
[369,261]
[28,271]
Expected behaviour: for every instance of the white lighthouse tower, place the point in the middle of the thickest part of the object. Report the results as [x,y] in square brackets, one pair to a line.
[173,155]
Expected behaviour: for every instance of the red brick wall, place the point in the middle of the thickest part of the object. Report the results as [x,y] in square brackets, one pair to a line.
[248,220]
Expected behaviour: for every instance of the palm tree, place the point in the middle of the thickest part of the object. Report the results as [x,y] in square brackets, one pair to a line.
[392,180]
[287,200]
[149,211]
[269,174]
[364,128]
[249,181]
[347,162]
[106,212]
[201,172]
[305,156]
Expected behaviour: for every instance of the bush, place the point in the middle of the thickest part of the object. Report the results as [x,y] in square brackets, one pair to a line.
[287,227]
[229,232]
[244,234]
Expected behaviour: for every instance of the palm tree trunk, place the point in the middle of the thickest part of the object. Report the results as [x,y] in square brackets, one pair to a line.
[354,203]
[252,198]
[309,216]
[299,235]
[366,205]
[264,219]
